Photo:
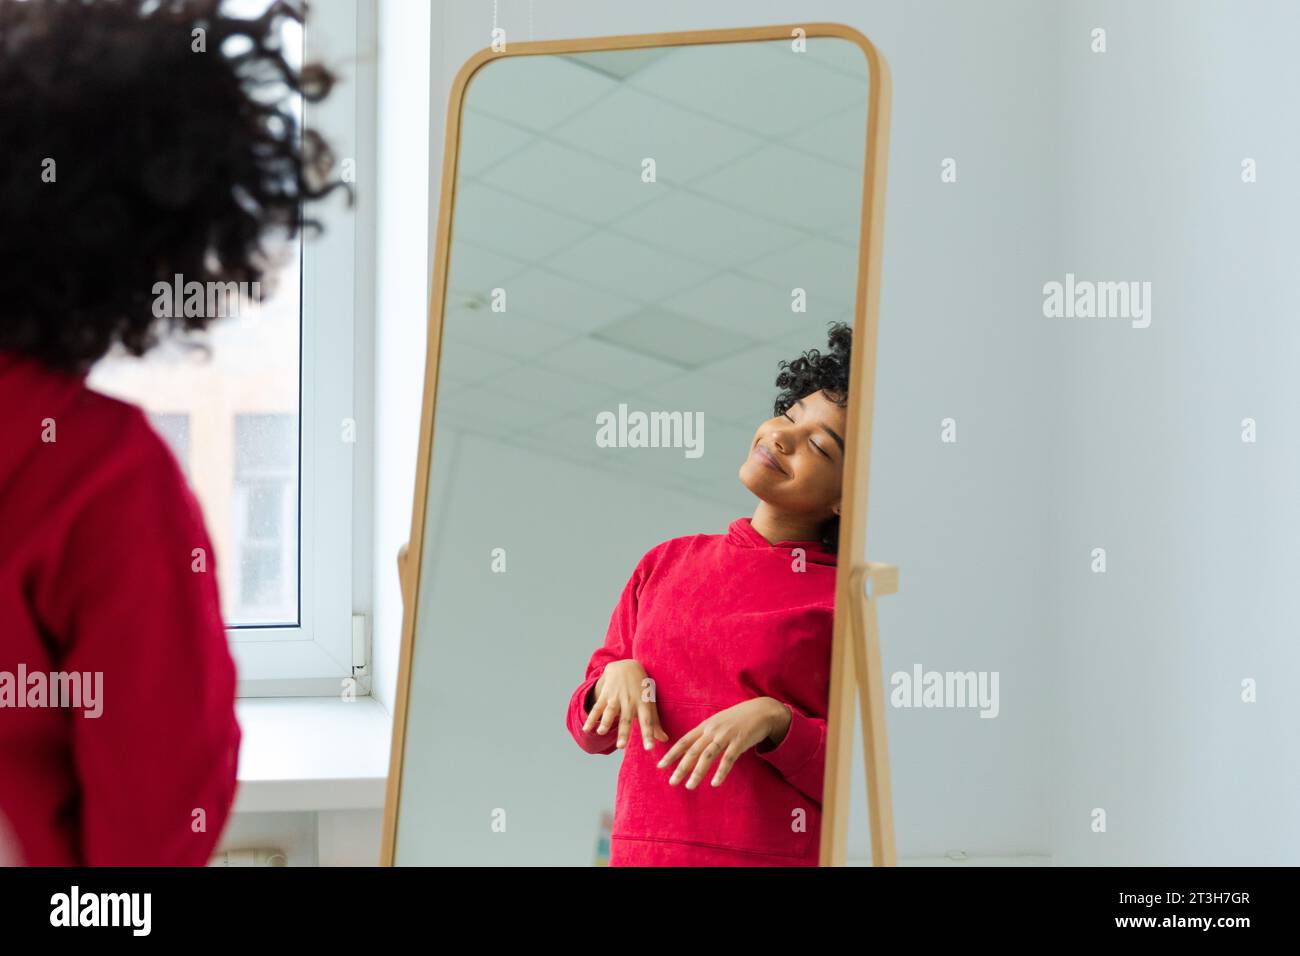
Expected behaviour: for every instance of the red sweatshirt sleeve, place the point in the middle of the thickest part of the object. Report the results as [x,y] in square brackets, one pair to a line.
[800,757]
[157,767]
[617,647]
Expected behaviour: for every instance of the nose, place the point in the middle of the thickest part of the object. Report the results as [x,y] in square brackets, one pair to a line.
[780,437]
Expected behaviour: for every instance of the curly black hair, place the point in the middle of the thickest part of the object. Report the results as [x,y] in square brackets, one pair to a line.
[815,371]
[143,139]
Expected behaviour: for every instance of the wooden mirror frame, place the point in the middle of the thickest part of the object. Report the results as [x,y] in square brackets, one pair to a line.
[855,662]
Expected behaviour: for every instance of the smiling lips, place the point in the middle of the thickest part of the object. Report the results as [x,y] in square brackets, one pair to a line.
[768,459]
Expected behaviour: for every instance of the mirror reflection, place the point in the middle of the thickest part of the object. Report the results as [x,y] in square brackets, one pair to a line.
[635,482]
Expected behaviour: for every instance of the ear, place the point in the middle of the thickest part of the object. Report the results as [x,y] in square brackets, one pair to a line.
[835,509]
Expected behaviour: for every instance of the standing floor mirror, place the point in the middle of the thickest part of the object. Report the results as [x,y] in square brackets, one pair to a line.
[639,628]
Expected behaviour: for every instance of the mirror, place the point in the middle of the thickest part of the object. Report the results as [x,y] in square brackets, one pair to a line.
[613,486]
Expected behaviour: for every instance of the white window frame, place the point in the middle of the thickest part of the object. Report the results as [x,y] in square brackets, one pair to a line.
[318,656]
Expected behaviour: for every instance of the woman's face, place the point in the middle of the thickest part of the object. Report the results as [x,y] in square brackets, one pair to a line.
[796,461]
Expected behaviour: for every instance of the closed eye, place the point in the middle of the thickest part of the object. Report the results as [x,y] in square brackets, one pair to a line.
[820,450]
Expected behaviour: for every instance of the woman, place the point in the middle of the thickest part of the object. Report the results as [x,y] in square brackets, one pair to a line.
[722,643]
[139,143]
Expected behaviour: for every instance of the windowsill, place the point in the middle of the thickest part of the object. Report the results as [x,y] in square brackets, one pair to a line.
[312,753]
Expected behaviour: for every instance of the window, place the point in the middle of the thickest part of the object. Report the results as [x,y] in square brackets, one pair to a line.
[263,424]
[265,547]
[227,414]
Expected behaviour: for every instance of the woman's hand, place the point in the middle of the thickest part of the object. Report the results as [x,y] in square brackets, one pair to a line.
[623,692]
[727,734]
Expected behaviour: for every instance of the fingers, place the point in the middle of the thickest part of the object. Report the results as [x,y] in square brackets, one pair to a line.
[608,708]
[648,718]
[710,753]
[623,709]
[698,751]
[724,766]
[703,745]
[688,762]
[597,709]
[657,731]
[679,748]
[624,728]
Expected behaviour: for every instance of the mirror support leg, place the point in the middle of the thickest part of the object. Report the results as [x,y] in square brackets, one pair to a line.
[870,582]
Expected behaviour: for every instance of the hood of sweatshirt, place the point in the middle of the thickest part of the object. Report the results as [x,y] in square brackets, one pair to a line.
[741,533]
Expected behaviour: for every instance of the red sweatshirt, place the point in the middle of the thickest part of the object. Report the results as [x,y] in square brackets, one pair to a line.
[98,532]
[716,620]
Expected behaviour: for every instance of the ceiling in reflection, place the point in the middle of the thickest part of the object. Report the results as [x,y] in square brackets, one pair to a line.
[671,295]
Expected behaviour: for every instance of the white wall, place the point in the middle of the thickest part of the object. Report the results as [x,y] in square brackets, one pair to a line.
[406,180]
[1199,527]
